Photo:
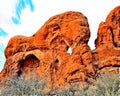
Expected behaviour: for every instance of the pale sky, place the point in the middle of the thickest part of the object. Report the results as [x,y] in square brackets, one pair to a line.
[95,10]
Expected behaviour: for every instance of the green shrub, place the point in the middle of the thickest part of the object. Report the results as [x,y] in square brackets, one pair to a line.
[108,85]
[24,87]
[105,85]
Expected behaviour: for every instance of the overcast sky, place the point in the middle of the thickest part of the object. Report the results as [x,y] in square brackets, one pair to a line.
[25,17]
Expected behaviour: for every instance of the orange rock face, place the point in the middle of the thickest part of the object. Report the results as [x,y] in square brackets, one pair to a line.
[59,50]
[46,52]
[107,52]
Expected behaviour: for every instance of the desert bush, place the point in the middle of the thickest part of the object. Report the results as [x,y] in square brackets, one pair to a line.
[106,85]
[77,91]
[22,86]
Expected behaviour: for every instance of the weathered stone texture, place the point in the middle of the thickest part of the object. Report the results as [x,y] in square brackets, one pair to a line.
[46,52]
[107,52]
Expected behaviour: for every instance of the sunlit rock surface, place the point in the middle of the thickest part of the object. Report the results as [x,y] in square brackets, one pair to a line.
[107,51]
[59,50]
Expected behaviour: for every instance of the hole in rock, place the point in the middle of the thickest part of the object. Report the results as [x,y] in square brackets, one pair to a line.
[30,62]
[69,50]
[56,61]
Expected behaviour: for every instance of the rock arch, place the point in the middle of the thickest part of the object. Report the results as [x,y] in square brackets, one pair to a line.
[30,62]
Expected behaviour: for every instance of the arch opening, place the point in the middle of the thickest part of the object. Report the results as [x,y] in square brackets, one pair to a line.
[30,62]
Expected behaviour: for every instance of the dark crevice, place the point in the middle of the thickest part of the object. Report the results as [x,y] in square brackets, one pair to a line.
[30,61]
[20,67]
[111,30]
[110,65]
[56,61]
[74,72]
[105,66]
[67,48]
[116,65]
[82,63]
[85,52]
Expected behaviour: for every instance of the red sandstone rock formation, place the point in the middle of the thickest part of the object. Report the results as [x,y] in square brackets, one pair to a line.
[107,52]
[46,52]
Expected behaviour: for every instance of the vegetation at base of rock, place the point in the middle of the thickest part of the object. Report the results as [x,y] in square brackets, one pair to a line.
[105,85]
[22,86]
[108,85]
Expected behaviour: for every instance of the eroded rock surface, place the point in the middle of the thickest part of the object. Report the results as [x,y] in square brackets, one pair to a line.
[46,52]
[107,52]
[59,50]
